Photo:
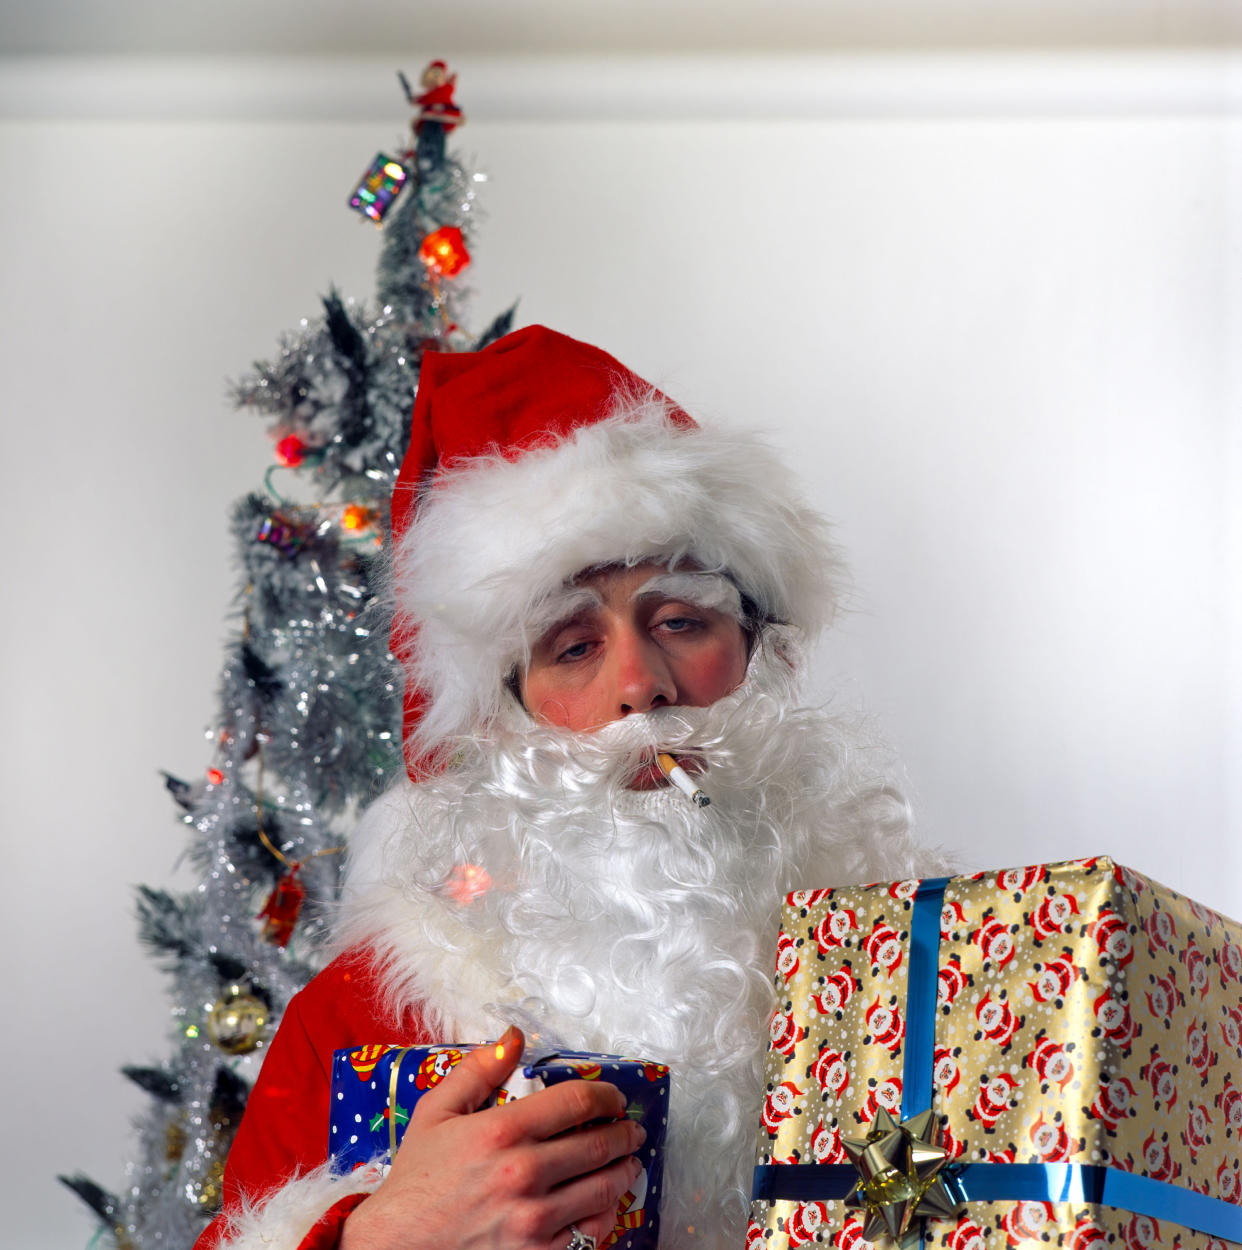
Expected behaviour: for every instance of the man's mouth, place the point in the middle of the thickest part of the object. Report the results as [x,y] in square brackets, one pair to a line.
[648,777]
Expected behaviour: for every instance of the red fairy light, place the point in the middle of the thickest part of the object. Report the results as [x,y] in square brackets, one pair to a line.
[215,776]
[291,451]
[467,882]
[444,251]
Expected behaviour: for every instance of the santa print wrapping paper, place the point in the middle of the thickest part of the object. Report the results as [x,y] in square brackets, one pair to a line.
[365,1100]
[1083,1015]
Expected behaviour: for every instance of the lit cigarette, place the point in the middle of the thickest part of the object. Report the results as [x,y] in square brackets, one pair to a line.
[681,779]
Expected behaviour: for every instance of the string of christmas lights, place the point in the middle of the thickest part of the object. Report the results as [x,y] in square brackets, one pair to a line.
[309,710]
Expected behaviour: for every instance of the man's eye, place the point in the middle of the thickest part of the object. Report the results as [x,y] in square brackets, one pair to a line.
[679,624]
[577,651]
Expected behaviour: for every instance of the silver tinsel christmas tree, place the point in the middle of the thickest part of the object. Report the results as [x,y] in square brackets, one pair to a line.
[309,720]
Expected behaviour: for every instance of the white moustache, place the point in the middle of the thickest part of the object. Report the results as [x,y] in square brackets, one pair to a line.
[718,736]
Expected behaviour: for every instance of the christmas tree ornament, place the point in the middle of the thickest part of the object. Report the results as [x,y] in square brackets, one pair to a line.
[210,1190]
[174,1141]
[237,1020]
[376,193]
[291,451]
[277,531]
[215,776]
[899,1178]
[444,252]
[284,905]
[436,114]
[355,517]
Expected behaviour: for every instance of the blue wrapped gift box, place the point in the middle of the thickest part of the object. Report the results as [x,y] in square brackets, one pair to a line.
[375,1087]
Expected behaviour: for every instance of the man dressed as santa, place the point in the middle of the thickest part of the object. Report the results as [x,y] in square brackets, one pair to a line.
[585,583]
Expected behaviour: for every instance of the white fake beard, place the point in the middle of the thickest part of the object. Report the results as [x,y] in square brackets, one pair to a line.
[632,922]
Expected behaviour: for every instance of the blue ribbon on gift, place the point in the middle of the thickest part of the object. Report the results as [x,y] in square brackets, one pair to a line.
[922,985]
[992,1182]
[1026,1182]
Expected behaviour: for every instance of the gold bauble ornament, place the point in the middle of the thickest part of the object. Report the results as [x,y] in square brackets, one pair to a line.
[174,1141]
[236,1021]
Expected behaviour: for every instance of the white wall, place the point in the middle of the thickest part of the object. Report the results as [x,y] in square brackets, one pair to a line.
[998,348]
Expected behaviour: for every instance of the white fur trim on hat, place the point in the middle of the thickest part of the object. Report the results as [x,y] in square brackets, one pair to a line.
[495,536]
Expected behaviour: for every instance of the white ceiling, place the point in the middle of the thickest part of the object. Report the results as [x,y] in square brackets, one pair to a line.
[362,28]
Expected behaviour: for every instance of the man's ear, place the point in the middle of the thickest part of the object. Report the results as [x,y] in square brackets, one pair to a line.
[513,684]
[752,623]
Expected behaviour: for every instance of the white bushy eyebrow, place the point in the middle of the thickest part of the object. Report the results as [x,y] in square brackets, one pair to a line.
[560,608]
[703,590]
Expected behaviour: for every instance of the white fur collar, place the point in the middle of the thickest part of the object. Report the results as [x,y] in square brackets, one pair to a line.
[448,968]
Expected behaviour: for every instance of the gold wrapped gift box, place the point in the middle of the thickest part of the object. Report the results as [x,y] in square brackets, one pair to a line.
[1076,1017]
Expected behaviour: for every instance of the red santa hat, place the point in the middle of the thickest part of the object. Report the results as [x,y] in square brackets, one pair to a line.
[540,457]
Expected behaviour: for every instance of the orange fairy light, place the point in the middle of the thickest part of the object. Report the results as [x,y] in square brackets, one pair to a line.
[444,251]
[356,517]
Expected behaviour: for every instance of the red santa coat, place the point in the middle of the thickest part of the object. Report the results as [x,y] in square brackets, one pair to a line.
[284,1132]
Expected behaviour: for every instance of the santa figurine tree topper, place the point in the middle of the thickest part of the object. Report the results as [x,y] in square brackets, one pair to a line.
[436,114]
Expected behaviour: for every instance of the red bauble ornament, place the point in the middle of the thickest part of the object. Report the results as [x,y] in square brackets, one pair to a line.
[291,451]
[284,904]
[444,251]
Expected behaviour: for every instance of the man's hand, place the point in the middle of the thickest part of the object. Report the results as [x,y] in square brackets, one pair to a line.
[513,1177]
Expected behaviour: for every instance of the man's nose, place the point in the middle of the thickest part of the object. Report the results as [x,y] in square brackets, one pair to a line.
[642,677]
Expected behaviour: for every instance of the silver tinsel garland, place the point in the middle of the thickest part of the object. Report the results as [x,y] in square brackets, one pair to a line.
[308,729]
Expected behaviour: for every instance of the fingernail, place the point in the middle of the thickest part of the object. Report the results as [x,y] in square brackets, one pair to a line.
[635,1168]
[508,1039]
[642,1134]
